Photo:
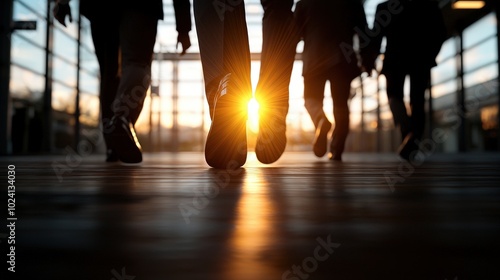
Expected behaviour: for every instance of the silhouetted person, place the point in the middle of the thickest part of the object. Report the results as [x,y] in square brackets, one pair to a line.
[124,34]
[414,31]
[279,43]
[225,56]
[327,28]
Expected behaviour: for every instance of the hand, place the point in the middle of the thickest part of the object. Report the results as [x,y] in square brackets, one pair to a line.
[61,10]
[183,39]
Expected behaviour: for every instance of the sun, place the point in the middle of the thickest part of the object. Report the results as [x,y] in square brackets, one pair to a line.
[253,115]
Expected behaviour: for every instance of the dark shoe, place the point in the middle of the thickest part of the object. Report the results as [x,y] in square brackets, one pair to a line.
[111,155]
[271,139]
[124,140]
[321,137]
[226,145]
[408,146]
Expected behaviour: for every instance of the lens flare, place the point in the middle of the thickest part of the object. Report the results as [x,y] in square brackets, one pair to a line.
[253,115]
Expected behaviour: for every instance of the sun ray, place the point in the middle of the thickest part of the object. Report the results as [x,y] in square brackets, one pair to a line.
[253,115]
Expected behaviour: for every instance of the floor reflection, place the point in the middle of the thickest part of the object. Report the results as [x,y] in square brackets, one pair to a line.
[254,235]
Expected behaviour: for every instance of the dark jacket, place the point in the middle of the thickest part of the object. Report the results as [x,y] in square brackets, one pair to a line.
[414,30]
[97,8]
[327,28]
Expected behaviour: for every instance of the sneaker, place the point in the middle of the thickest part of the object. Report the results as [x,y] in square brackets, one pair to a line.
[271,139]
[226,145]
[124,140]
[320,139]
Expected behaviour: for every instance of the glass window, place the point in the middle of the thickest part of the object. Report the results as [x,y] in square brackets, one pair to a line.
[65,46]
[448,50]
[88,61]
[63,98]
[27,55]
[444,71]
[480,30]
[38,5]
[89,109]
[444,88]
[89,83]
[480,55]
[23,13]
[26,84]
[64,72]
[482,75]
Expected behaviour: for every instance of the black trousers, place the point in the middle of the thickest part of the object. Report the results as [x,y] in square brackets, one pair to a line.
[123,45]
[415,120]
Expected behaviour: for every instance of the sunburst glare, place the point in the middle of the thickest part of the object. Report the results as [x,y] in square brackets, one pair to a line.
[253,115]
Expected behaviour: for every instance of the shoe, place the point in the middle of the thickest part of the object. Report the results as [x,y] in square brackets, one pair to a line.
[271,139]
[111,155]
[408,146]
[124,140]
[320,139]
[226,145]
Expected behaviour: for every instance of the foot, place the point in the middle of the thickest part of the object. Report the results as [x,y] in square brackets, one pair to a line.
[111,155]
[408,147]
[320,139]
[335,153]
[124,140]
[271,139]
[226,145]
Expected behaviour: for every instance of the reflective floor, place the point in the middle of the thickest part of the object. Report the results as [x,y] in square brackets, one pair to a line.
[370,217]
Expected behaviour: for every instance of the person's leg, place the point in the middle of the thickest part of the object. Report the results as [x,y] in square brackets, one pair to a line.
[340,86]
[137,39]
[210,31]
[106,44]
[224,47]
[225,54]
[419,81]
[395,94]
[279,43]
[314,94]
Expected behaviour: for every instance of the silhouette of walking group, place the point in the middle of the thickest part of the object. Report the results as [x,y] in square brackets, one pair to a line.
[124,34]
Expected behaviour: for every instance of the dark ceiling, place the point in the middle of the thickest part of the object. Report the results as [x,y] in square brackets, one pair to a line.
[457,20]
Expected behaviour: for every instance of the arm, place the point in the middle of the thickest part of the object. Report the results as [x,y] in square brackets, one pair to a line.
[299,16]
[366,52]
[440,33]
[378,32]
[182,10]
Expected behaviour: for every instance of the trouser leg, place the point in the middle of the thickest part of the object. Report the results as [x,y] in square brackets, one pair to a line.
[107,48]
[340,89]
[224,47]
[395,94]
[137,39]
[279,43]
[418,84]
[314,94]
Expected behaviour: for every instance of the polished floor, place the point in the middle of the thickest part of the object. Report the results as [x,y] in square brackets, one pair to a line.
[173,217]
